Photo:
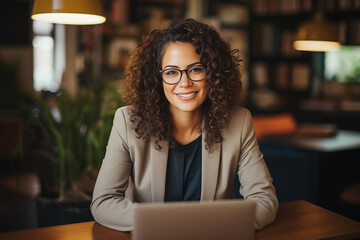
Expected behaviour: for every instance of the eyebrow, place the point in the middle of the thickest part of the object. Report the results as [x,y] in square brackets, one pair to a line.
[174,66]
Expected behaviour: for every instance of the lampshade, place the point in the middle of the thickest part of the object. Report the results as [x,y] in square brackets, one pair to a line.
[317,35]
[77,12]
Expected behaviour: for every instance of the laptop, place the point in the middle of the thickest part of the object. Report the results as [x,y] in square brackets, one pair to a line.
[224,219]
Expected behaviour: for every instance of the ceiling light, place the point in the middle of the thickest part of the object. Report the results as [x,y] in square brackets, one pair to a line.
[77,12]
[317,35]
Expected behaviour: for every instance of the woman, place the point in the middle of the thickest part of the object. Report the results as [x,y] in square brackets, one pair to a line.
[184,136]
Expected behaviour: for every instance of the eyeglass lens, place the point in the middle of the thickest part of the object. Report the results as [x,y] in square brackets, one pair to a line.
[195,73]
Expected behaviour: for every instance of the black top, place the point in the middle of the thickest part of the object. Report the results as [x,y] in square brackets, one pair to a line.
[183,175]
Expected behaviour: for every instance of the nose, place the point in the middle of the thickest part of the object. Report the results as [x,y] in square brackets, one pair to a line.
[184,80]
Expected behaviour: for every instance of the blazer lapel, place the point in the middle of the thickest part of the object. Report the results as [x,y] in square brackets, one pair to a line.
[158,170]
[210,171]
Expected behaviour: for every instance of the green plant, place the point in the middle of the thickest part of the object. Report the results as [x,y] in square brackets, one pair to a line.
[79,140]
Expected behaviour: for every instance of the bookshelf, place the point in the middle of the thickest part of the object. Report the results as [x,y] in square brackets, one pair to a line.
[104,50]
[281,77]
[232,20]
[347,15]
[121,33]
[128,21]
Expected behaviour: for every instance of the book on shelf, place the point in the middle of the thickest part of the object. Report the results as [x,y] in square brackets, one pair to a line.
[306,5]
[344,5]
[266,38]
[260,74]
[342,32]
[330,5]
[238,39]
[282,77]
[119,12]
[356,4]
[282,7]
[300,77]
[354,32]
[234,14]
[287,39]
[341,5]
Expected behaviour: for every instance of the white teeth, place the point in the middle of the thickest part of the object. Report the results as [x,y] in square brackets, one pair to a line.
[187,94]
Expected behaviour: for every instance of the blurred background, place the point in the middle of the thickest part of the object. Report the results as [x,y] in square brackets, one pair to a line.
[61,85]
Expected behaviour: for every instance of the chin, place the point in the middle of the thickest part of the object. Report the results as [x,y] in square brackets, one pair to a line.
[188,108]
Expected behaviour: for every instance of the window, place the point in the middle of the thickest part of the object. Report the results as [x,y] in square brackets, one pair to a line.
[49,58]
[343,65]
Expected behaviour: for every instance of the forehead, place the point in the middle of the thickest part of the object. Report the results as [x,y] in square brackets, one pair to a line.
[179,54]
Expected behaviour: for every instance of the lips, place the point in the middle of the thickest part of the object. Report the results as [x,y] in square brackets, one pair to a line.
[186,96]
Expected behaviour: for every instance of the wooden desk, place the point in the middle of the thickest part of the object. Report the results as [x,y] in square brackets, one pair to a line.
[295,220]
[303,220]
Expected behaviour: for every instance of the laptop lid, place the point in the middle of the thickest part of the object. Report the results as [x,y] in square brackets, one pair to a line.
[224,219]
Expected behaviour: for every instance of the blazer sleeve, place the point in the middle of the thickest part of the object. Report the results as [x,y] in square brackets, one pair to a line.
[109,205]
[254,176]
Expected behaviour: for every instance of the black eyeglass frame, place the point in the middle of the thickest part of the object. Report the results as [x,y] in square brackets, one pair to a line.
[181,73]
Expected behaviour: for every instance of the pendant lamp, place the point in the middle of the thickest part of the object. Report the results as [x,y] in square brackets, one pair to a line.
[77,12]
[317,35]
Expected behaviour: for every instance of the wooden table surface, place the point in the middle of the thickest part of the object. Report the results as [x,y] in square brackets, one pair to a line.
[303,220]
[295,220]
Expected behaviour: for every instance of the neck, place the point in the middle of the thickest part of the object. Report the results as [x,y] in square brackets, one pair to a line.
[187,125]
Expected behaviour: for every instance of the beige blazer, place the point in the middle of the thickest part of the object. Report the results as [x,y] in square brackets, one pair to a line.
[128,156]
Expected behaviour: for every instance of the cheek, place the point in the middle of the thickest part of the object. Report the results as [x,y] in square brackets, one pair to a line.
[167,89]
[204,87]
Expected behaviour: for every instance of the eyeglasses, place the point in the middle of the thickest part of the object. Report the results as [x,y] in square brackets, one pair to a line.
[173,76]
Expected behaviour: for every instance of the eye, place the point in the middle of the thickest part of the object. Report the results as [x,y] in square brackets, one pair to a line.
[197,69]
[171,72]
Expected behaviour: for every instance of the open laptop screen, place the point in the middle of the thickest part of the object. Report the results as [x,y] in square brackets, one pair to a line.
[225,219]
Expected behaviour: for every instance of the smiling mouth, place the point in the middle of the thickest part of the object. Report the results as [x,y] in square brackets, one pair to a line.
[186,95]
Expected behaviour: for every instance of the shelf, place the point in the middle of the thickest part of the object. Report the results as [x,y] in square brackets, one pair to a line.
[235,26]
[343,15]
[282,18]
[282,7]
[274,64]
[302,57]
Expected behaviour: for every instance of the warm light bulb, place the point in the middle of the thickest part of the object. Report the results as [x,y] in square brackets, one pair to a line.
[316,46]
[69,18]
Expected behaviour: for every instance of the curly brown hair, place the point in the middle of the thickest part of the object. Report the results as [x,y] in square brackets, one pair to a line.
[143,83]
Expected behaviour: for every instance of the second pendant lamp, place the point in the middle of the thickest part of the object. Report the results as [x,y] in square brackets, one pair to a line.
[317,35]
